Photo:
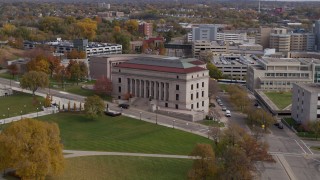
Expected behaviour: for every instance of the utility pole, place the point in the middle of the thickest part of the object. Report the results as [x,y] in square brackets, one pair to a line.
[259,6]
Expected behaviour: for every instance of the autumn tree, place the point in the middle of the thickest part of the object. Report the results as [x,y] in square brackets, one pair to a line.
[87,28]
[204,166]
[13,69]
[54,63]
[47,101]
[36,151]
[206,56]
[213,87]
[214,72]
[94,106]
[40,64]
[132,26]
[33,80]
[75,54]
[103,86]
[162,49]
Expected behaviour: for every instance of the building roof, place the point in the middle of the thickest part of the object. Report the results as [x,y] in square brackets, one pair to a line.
[311,87]
[172,65]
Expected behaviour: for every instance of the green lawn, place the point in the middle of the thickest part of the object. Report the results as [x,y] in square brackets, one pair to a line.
[120,167]
[211,123]
[76,89]
[122,134]
[16,103]
[280,99]
[223,87]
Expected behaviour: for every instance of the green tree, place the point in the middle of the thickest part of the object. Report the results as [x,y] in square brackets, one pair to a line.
[214,72]
[94,106]
[314,126]
[36,151]
[33,80]
[204,166]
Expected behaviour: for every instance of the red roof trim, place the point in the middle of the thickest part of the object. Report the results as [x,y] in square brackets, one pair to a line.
[197,62]
[161,68]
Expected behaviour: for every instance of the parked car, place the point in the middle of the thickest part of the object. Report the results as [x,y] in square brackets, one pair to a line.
[220,103]
[124,106]
[276,124]
[228,113]
[224,108]
[280,126]
[112,113]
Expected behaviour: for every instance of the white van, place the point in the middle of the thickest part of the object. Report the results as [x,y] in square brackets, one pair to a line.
[228,113]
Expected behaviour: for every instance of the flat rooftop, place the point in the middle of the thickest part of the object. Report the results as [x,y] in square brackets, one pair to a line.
[289,61]
[311,87]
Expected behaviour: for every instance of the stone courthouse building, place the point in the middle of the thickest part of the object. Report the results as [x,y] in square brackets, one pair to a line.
[180,84]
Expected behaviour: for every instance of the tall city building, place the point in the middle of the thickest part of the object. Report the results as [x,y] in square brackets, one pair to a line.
[317,33]
[146,29]
[207,32]
[263,37]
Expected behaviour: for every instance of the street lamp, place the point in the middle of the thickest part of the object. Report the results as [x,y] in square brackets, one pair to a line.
[8,112]
[173,123]
[37,112]
[156,118]
[140,115]
[21,114]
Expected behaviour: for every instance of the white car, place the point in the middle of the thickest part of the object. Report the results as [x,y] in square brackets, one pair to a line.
[228,113]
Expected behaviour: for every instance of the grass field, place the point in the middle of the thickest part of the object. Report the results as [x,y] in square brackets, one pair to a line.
[16,103]
[280,99]
[122,134]
[119,167]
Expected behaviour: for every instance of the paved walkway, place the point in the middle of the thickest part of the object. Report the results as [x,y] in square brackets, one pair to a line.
[74,153]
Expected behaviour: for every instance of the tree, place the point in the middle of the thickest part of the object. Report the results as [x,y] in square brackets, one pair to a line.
[215,133]
[40,63]
[132,26]
[13,69]
[94,106]
[36,151]
[83,70]
[213,87]
[314,126]
[87,28]
[47,101]
[162,49]
[205,165]
[206,56]
[214,72]
[33,80]
[103,86]
[54,63]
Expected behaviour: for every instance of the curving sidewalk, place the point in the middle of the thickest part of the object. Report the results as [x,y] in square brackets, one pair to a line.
[75,153]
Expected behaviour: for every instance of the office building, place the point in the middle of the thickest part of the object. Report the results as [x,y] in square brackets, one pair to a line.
[281,73]
[206,32]
[215,47]
[317,33]
[263,37]
[305,103]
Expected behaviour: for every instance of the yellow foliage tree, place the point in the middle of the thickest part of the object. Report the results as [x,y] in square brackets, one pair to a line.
[36,151]
[132,25]
[87,28]
[47,101]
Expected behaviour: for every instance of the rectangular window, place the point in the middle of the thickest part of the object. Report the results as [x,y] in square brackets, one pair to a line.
[191,96]
[166,104]
[191,86]
[197,105]
[177,87]
[119,80]
[177,97]
[197,85]
[177,77]
[318,115]
[202,103]
[177,106]
[202,84]
[202,93]
[197,96]
[191,106]
[119,89]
